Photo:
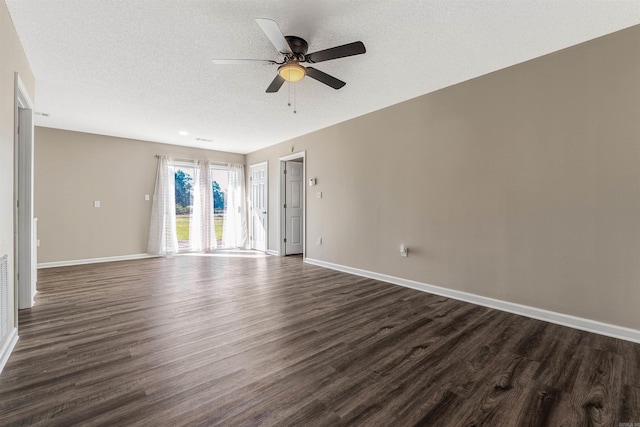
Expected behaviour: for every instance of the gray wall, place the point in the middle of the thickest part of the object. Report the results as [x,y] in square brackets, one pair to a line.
[521,185]
[73,169]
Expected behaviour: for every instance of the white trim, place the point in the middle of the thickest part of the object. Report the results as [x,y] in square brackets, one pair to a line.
[8,347]
[94,260]
[273,252]
[583,324]
[298,155]
[22,95]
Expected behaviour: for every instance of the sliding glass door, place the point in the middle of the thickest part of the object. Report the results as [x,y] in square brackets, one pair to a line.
[184,189]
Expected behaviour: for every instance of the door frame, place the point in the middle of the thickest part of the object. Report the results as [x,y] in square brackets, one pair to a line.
[266,228]
[281,197]
[23,219]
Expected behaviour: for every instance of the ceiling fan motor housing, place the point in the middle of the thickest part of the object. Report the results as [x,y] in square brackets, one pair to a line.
[299,47]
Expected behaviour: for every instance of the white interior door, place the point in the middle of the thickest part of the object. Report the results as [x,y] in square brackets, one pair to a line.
[259,207]
[294,187]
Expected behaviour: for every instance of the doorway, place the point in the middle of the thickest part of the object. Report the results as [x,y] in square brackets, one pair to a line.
[259,210]
[24,222]
[292,204]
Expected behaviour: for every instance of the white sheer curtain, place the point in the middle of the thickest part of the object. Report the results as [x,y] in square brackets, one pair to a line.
[234,233]
[162,230]
[202,232]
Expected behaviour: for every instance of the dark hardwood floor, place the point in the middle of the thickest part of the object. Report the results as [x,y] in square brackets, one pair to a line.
[260,340]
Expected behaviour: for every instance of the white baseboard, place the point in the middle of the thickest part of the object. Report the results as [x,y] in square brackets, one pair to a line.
[583,324]
[7,347]
[273,252]
[93,260]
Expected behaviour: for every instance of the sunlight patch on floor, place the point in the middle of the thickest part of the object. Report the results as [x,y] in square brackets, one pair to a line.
[229,253]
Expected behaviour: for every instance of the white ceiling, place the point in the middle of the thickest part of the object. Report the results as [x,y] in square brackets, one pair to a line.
[142,68]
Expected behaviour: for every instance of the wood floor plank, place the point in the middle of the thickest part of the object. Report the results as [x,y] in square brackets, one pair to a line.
[261,340]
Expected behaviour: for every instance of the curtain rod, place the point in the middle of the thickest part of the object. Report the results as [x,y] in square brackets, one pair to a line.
[193,161]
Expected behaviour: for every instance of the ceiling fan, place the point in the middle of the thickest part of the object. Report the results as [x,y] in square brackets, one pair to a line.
[294,51]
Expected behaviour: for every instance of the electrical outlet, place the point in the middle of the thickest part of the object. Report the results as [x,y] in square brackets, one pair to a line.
[319,195]
[96,203]
[146,197]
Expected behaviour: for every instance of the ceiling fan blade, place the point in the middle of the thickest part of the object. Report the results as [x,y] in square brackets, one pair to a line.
[324,78]
[355,48]
[242,61]
[276,84]
[274,35]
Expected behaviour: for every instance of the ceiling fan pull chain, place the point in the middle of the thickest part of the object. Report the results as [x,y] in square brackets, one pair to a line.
[294,100]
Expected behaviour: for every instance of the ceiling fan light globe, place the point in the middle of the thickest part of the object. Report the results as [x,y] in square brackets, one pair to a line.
[292,72]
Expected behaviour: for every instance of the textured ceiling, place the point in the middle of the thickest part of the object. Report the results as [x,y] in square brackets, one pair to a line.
[142,69]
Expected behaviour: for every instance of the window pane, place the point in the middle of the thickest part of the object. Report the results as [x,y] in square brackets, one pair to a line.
[184,203]
[219,187]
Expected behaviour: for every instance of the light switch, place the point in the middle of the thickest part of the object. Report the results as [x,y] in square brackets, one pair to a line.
[404,251]
[319,195]
[96,203]
[146,197]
